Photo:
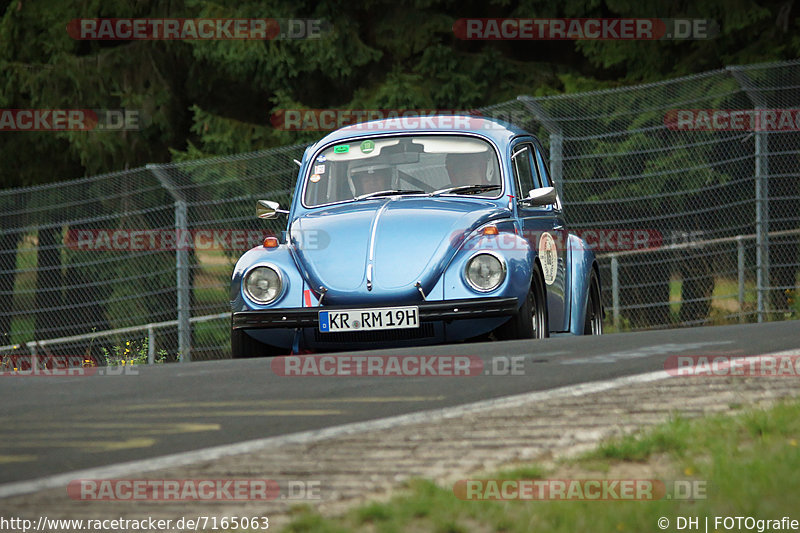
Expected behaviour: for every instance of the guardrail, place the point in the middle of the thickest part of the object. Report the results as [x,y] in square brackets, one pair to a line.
[34,347]
[761,287]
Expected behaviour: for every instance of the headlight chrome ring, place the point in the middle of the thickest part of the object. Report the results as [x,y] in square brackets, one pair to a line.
[263,284]
[485,271]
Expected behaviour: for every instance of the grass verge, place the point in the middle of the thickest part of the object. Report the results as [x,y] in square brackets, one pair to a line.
[748,463]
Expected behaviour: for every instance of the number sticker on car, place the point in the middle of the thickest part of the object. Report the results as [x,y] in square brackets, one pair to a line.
[369,319]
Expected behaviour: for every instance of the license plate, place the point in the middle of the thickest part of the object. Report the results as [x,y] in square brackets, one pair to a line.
[369,319]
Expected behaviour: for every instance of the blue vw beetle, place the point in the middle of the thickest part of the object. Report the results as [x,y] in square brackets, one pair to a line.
[416,231]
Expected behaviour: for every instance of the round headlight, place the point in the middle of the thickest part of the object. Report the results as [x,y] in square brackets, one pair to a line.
[485,272]
[263,284]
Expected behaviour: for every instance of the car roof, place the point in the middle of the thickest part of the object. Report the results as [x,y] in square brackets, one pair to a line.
[499,131]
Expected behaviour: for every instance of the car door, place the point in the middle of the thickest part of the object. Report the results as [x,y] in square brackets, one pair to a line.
[543,227]
[559,224]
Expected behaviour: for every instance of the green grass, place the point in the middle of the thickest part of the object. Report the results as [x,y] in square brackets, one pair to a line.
[749,461]
[211,295]
[212,333]
[671,437]
[132,352]
[22,327]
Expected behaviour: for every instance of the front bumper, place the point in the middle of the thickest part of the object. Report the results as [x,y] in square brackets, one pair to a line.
[432,311]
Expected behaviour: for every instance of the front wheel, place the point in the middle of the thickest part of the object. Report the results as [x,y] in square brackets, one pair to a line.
[593,323]
[530,322]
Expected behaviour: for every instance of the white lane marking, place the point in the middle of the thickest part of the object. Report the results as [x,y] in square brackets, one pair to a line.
[217,452]
[645,351]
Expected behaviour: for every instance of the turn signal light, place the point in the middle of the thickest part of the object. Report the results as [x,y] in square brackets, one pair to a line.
[490,230]
[271,242]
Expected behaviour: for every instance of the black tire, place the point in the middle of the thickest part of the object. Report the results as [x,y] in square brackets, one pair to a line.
[243,346]
[593,322]
[530,322]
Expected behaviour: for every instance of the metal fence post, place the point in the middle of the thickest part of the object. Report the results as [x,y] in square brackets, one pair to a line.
[740,270]
[151,344]
[762,191]
[615,289]
[181,264]
[762,220]
[182,269]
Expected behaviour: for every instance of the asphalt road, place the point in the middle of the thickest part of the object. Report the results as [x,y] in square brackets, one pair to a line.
[52,425]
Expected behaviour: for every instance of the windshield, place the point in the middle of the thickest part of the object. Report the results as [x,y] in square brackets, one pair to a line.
[423,164]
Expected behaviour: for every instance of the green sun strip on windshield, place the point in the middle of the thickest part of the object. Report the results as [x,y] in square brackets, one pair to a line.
[341,149]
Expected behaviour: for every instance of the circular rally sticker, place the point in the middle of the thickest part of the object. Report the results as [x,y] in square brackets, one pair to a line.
[367,146]
[548,256]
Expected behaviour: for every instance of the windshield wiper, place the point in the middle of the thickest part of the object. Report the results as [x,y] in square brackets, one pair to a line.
[466,189]
[390,192]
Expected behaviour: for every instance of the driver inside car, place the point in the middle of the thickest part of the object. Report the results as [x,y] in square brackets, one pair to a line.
[371,179]
[467,169]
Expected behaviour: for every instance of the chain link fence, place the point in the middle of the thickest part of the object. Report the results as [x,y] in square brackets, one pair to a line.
[137,263]
[717,199]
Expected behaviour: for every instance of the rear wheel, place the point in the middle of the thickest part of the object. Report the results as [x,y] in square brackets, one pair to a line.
[530,322]
[243,346]
[593,323]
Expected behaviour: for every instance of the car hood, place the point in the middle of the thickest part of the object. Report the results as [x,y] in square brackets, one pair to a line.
[404,239]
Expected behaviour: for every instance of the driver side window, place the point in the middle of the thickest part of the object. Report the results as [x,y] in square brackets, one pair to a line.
[544,173]
[525,176]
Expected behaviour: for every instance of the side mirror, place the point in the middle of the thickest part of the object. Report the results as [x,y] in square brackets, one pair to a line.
[538,197]
[268,209]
